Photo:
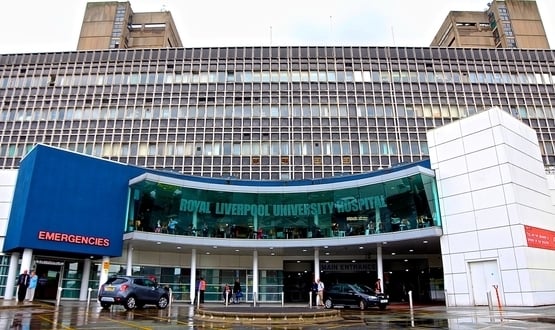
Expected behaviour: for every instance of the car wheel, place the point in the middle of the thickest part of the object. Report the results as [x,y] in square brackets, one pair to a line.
[328,303]
[162,302]
[105,305]
[382,306]
[130,303]
[362,305]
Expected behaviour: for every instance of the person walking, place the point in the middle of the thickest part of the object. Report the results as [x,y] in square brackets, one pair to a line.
[314,290]
[378,286]
[22,284]
[201,289]
[237,294]
[320,292]
[33,281]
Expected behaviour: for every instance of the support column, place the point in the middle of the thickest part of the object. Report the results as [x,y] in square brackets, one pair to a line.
[26,260]
[129,266]
[255,275]
[104,270]
[83,293]
[193,282]
[316,263]
[379,262]
[12,275]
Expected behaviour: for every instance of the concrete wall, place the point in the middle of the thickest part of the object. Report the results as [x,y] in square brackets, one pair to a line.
[491,182]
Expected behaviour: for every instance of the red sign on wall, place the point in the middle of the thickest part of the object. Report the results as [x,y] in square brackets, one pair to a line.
[540,238]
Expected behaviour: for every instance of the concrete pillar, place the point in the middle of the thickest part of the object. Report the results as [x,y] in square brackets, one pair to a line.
[84,291]
[193,282]
[12,276]
[26,260]
[129,269]
[379,262]
[316,263]
[255,275]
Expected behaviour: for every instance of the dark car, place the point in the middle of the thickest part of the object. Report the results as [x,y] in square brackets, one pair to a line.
[132,292]
[353,295]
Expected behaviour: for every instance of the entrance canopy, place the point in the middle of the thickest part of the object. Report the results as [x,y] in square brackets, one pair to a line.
[397,199]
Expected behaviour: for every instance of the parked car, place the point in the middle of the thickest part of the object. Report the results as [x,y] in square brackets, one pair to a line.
[132,292]
[352,295]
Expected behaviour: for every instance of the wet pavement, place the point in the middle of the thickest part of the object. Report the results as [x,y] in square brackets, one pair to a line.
[80,315]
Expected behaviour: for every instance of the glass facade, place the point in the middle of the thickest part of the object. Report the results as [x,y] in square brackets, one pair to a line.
[399,204]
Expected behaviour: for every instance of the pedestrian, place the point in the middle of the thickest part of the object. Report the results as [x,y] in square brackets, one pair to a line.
[41,286]
[201,289]
[237,294]
[378,286]
[227,293]
[33,281]
[320,292]
[22,284]
[314,290]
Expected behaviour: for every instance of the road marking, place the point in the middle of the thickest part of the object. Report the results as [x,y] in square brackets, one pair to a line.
[52,322]
[132,325]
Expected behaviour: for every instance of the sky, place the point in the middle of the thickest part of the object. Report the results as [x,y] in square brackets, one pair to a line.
[54,25]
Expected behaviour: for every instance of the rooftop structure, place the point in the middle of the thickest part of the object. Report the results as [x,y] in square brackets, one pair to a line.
[505,24]
[114,25]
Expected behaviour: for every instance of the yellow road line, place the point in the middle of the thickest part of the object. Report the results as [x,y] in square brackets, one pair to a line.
[132,325]
[52,322]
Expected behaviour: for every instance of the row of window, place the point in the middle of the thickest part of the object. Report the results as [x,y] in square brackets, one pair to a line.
[277,77]
[171,149]
[265,111]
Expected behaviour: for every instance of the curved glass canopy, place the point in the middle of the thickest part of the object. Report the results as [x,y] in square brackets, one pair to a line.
[346,206]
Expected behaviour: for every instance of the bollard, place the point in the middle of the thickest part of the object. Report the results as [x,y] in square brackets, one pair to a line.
[410,301]
[490,302]
[282,299]
[254,299]
[89,298]
[170,297]
[496,287]
[226,298]
[59,296]
[310,299]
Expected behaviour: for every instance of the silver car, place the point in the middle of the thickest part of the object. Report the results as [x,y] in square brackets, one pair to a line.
[132,292]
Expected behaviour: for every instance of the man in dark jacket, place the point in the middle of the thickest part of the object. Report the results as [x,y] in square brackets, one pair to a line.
[22,285]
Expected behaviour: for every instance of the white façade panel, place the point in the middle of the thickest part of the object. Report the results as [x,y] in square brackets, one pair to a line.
[8,177]
[463,242]
[521,159]
[482,159]
[542,280]
[454,185]
[446,133]
[525,196]
[5,208]
[523,146]
[536,258]
[457,204]
[459,223]
[489,197]
[6,194]
[507,258]
[478,141]
[458,263]
[451,167]
[491,217]
[460,283]
[475,123]
[511,280]
[485,178]
[450,150]
[522,176]
[495,238]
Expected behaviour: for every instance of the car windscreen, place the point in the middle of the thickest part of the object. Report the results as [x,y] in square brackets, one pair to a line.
[116,280]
